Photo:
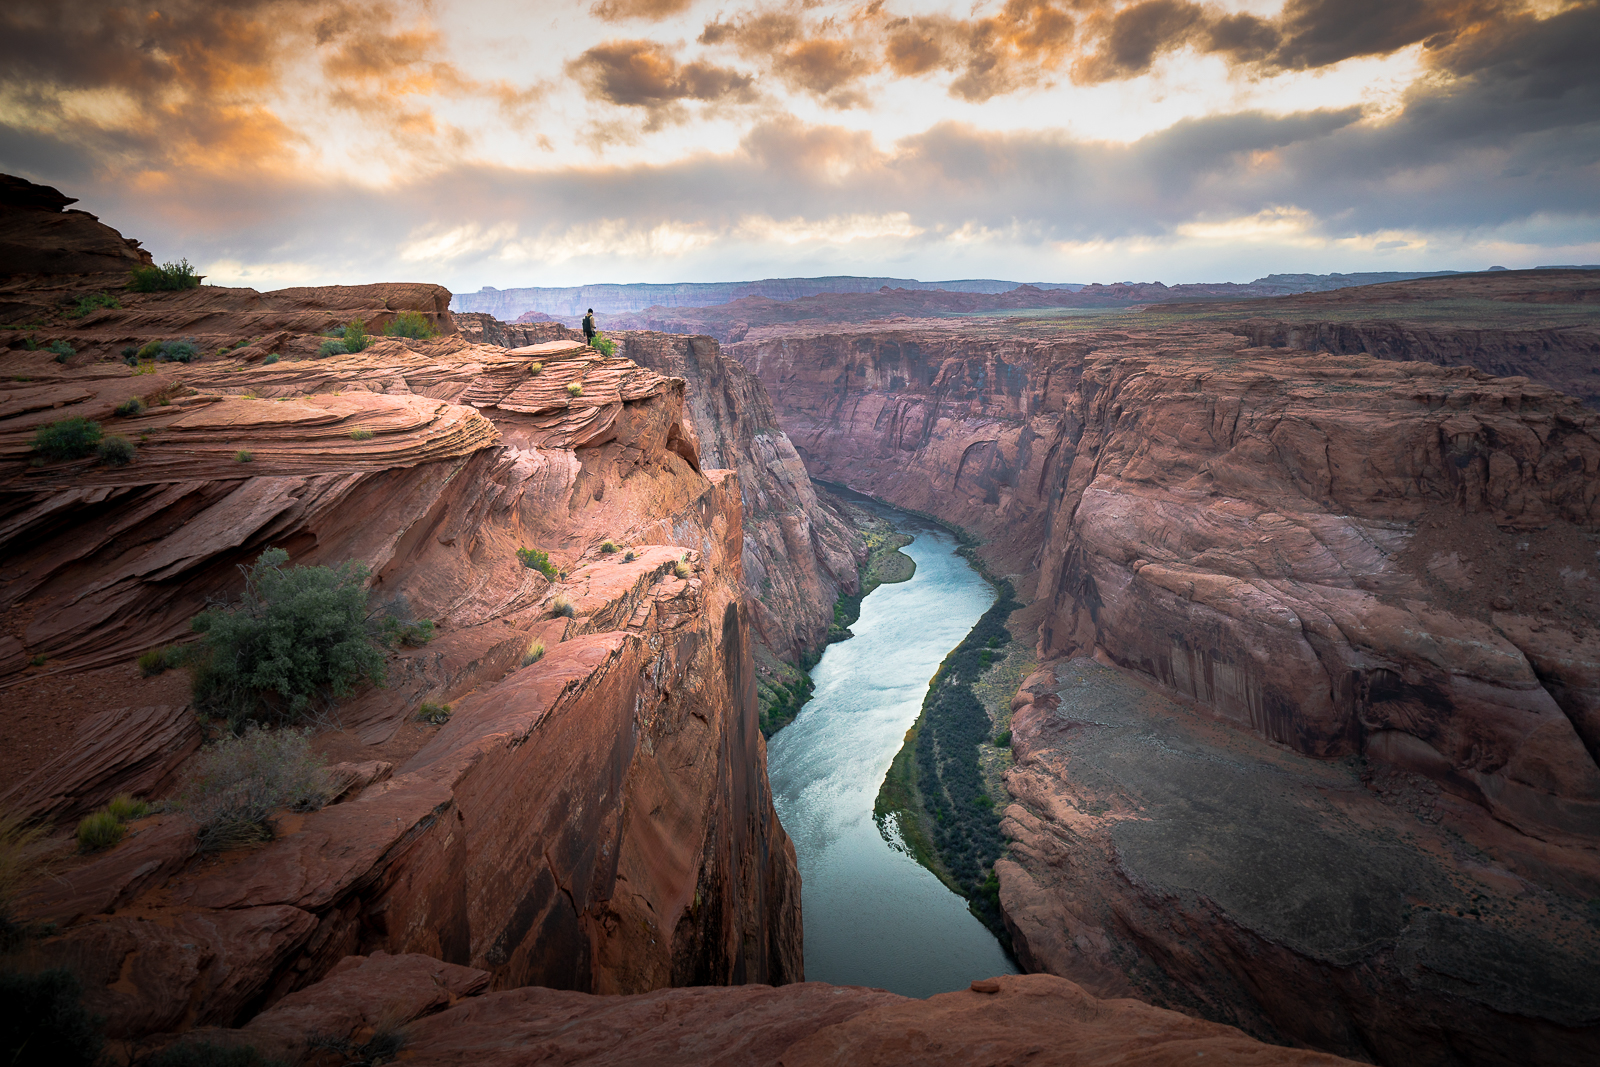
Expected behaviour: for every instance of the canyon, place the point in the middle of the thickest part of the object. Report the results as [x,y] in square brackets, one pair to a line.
[1305,769]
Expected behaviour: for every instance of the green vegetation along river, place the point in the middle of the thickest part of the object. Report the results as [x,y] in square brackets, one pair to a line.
[873,915]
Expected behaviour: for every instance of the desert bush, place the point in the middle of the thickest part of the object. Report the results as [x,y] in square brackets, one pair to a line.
[562,607]
[297,637]
[244,456]
[270,360]
[574,388]
[413,633]
[629,556]
[62,350]
[331,347]
[116,452]
[167,277]
[125,807]
[239,784]
[604,345]
[186,1053]
[608,547]
[534,654]
[43,1021]
[130,354]
[534,559]
[535,368]
[360,435]
[184,351]
[411,324]
[156,660]
[37,661]
[67,439]
[130,407]
[1003,739]
[93,302]
[434,714]
[355,336]
[99,830]
[682,569]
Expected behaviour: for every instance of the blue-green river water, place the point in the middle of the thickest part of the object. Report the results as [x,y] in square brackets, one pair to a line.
[874,916]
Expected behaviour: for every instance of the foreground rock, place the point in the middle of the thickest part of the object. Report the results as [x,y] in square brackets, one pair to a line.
[1035,1019]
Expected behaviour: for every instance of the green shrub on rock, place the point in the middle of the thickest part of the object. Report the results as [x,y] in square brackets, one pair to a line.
[93,302]
[537,560]
[411,324]
[116,452]
[130,407]
[62,350]
[98,831]
[165,278]
[67,439]
[355,336]
[331,347]
[297,639]
[241,782]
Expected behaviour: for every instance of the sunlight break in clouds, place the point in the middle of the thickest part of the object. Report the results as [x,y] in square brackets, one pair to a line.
[477,142]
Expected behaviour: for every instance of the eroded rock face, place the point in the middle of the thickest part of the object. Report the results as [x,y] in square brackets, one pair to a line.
[594,815]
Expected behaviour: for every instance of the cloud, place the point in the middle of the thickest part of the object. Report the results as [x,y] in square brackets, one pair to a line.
[827,58]
[644,74]
[653,10]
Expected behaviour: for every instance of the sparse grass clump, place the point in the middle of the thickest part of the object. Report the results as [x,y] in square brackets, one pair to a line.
[126,807]
[240,782]
[38,661]
[562,607]
[534,559]
[534,654]
[331,347]
[535,368]
[434,714]
[62,350]
[608,547]
[67,439]
[682,569]
[130,407]
[413,633]
[165,278]
[99,831]
[412,324]
[116,452]
[93,302]
[574,388]
[629,556]
[244,456]
[360,435]
[298,637]
[156,660]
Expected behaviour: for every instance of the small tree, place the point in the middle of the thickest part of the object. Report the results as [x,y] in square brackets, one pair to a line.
[355,336]
[298,636]
[411,324]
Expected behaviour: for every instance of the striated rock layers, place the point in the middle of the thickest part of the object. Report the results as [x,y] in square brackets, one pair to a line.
[1347,557]
[595,813]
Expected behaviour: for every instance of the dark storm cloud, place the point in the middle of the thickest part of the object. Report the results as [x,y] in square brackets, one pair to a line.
[645,74]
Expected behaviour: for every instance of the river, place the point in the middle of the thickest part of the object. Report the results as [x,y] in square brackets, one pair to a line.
[873,915]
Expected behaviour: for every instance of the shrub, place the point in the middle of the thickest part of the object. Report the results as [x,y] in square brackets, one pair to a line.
[535,368]
[62,350]
[98,831]
[534,654]
[244,456]
[156,660]
[67,439]
[207,1054]
[562,607]
[682,569]
[130,354]
[539,561]
[167,277]
[355,336]
[240,782]
[630,556]
[126,808]
[360,435]
[184,351]
[411,633]
[94,302]
[270,360]
[297,636]
[608,547]
[1003,740]
[116,452]
[434,714]
[130,407]
[574,388]
[37,661]
[332,348]
[411,324]
[604,345]
[149,350]
[42,1021]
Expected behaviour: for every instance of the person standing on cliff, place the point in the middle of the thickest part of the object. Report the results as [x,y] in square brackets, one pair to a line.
[588,327]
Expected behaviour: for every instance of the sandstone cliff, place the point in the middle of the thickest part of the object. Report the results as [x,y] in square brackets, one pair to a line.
[1352,558]
[594,819]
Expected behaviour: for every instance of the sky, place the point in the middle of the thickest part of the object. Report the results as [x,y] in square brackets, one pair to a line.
[492,142]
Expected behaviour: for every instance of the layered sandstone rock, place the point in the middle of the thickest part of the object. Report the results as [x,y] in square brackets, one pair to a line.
[596,817]
[1035,1019]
